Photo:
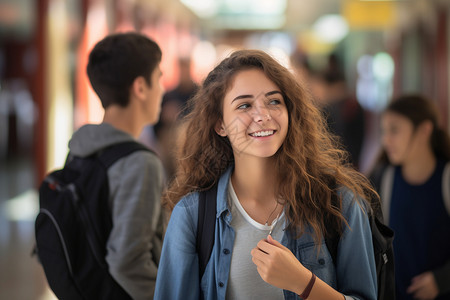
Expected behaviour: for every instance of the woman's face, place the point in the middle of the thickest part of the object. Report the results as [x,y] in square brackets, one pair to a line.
[255,117]
[398,137]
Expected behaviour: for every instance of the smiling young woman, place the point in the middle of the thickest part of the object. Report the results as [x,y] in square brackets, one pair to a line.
[254,132]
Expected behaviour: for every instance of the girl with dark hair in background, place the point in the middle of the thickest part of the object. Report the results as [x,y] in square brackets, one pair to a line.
[412,190]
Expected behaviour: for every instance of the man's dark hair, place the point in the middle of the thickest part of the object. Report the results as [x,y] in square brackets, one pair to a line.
[116,61]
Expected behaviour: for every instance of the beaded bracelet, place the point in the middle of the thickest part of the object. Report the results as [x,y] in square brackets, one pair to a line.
[309,287]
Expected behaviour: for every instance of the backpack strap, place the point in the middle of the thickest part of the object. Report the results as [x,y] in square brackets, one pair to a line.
[111,154]
[446,186]
[332,242]
[333,236]
[387,182]
[206,226]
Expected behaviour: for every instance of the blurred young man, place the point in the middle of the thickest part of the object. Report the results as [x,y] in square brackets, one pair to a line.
[124,71]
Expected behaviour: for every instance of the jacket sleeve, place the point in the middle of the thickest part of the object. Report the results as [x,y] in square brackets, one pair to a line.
[355,265]
[178,273]
[442,276]
[135,195]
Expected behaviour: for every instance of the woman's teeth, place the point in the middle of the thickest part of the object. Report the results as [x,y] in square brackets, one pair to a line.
[262,133]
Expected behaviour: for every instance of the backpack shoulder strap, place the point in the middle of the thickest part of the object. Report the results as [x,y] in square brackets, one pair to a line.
[446,186]
[333,236]
[332,242]
[111,154]
[387,182]
[206,226]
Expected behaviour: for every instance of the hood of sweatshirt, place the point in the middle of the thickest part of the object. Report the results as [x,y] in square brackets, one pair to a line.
[93,137]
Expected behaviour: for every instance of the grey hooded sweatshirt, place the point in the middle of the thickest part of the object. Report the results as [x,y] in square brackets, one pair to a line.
[135,185]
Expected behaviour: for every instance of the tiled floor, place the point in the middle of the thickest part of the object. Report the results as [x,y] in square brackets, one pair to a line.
[21,276]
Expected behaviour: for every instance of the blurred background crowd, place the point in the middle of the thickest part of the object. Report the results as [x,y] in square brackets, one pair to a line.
[354,55]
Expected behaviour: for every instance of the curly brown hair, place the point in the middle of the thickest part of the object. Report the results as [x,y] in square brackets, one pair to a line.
[310,164]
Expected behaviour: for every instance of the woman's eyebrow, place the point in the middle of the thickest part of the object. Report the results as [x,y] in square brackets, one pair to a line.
[273,93]
[242,97]
[251,96]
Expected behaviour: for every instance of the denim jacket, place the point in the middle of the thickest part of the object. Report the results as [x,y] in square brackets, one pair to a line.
[354,273]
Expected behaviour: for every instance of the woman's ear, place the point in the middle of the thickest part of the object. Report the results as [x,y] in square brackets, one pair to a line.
[426,129]
[220,129]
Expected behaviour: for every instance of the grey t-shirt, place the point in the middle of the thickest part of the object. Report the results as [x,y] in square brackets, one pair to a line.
[245,281]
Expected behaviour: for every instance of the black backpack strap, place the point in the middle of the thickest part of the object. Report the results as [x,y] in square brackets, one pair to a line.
[332,242]
[206,226]
[111,154]
[332,235]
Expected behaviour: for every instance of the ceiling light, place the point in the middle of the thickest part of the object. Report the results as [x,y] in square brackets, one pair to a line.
[330,28]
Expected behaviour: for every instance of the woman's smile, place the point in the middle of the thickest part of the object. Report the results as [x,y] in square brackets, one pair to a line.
[262,133]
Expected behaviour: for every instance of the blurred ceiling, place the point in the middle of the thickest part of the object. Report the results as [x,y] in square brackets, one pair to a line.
[301,14]
[261,14]
[17,16]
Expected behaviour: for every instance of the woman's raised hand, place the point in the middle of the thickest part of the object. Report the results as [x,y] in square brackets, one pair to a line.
[278,266]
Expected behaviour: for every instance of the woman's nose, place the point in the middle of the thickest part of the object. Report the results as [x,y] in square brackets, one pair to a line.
[260,114]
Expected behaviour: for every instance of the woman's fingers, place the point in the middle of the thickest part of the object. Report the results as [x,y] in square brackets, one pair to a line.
[274,242]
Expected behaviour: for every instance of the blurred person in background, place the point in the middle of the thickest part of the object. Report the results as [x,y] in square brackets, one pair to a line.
[344,115]
[410,178]
[301,66]
[174,107]
[124,71]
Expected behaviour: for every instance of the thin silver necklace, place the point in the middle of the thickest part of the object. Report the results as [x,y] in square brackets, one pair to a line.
[267,221]
[274,222]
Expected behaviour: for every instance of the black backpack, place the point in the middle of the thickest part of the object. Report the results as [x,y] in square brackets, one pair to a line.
[74,223]
[382,237]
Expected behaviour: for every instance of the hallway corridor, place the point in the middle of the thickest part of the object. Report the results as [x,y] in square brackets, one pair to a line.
[21,276]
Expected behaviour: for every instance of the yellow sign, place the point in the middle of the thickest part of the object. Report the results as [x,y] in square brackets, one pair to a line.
[368,14]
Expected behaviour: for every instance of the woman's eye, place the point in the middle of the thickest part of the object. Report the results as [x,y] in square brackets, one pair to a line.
[243,106]
[275,101]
